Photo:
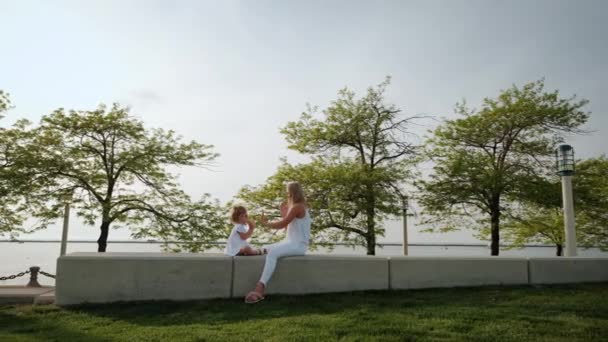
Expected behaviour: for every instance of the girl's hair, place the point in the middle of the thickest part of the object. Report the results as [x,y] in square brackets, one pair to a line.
[237,211]
[296,194]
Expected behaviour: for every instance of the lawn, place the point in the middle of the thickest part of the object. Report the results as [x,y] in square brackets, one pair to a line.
[567,313]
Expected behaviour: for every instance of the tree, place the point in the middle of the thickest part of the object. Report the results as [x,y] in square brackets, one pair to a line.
[9,219]
[539,217]
[359,150]
[484,157]
[536,216]
[18,183]
[591,202]
[115,171]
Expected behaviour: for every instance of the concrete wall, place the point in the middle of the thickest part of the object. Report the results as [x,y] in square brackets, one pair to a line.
[313,274]
[111,277]
[426,272]
[568,270]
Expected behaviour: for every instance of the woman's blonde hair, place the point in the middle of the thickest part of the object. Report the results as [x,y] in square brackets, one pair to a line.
[237,211]
[296,194]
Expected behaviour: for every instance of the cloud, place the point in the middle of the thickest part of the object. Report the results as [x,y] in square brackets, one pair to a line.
[146,96]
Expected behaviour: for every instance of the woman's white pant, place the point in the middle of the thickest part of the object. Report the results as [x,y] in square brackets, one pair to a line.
[276,251]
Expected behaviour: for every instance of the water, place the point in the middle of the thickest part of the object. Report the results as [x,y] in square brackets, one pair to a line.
[16,257]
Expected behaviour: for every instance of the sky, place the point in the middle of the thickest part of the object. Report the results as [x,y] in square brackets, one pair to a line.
[232,73]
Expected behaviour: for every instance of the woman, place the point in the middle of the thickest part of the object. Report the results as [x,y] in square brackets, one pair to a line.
[296,218]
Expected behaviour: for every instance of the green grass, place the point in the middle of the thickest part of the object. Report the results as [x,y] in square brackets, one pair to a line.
[558,313]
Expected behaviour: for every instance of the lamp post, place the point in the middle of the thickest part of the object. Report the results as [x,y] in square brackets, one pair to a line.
[404,208]
[564,161]
[66,221]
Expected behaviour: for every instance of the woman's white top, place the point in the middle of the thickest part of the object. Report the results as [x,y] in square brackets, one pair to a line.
[298,230]
[235,243]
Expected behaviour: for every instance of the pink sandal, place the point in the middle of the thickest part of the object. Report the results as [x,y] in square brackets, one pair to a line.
[255,295]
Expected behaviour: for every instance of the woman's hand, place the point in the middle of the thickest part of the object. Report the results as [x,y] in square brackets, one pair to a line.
[284,209]
[293,213]
[263,219]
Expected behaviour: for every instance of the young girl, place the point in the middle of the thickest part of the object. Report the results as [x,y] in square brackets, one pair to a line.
[297,220]
[242,230]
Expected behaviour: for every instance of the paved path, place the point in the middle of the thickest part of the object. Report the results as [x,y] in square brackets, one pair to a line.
[27,295]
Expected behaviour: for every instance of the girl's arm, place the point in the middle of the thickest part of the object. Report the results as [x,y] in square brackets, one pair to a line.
[297,211]
[247,235]
[284,209]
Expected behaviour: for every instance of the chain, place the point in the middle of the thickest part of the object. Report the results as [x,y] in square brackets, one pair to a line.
[15,275]
[47,274]
[24,273]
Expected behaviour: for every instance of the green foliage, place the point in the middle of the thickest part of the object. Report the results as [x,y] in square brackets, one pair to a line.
[9,219]
[18,183]
[11,182]
[355,180]
[206,223]
[591,202]
[535,224]
[114,171]
[539,219]
[5,103]
[366,128]
[487,155]
[535,216]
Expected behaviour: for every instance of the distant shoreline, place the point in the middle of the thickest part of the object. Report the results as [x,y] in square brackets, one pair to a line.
[380,244]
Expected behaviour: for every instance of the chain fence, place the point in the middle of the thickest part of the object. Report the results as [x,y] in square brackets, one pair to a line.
[47,274]
[21,274]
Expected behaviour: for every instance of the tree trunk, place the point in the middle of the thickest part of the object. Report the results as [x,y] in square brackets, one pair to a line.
[102,242]
[371,222]
[495,221]
[560,250]
[371,244]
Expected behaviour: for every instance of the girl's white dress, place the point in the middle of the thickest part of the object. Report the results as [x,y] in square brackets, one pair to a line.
[235,243]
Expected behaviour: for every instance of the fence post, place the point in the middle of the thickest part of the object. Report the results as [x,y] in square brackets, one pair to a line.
[34,277]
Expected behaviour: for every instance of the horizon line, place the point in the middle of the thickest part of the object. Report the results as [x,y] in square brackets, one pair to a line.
[379,244]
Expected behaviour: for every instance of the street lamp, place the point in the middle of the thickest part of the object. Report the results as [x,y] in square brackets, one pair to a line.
[564,161]
[66,220]
[404,200]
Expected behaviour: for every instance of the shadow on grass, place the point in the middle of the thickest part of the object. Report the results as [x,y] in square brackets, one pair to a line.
[21,326]
[469,304]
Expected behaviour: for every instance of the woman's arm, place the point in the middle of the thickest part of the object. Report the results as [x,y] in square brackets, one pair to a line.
[297,211]
[247,235]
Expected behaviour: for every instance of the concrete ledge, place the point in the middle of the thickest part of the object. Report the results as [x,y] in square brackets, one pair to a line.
[428,272]
[111,277]
[22,294]
[313,274]
[45,298]
[565,270]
